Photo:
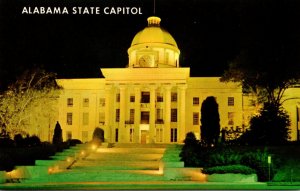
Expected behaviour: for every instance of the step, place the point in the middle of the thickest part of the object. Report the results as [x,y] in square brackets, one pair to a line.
[125,157]
[131,150]
[138,145]
[45,162]
[123,162]
[142,165]
[103,175]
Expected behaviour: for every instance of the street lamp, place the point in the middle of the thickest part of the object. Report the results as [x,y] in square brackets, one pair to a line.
[269,164]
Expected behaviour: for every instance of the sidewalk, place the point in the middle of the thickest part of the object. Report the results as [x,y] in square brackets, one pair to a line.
[147,185]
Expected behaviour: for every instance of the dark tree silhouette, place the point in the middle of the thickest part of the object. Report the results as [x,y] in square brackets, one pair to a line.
[57,136]
[271,127]
[268,63]
[188,153]
[269,58]
[210,121]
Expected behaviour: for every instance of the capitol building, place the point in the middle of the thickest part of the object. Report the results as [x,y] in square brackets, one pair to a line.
[153,99]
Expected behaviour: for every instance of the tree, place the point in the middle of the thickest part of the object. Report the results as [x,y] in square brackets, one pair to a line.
[32,97]
[268,62]
[57,136]
[266,81]
[270,127]
[210,121]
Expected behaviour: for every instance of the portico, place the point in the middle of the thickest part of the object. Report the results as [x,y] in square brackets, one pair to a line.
[143,104]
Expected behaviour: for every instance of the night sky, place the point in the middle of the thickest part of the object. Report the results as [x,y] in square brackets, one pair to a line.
[209,33]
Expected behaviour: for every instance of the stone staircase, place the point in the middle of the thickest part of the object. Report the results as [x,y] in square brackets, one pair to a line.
[120,163]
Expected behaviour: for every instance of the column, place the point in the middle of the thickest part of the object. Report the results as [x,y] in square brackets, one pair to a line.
[167,111]
[152,114]
[137,114]
[181,111]
[122,132]
[108,114]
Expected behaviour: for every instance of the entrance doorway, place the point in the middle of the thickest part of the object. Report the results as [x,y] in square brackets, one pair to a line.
[144,136]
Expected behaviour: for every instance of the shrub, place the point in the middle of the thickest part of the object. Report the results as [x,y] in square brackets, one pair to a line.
[73,142]
[98,135]
[223,156]
[32,141]
[6,143]
[189,152]
[241,169]
[62,146]
[258,160]
[6,162]
[271,127]
[190,140]
[18,138]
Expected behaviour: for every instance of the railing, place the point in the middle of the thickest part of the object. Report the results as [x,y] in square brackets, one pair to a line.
[145,105]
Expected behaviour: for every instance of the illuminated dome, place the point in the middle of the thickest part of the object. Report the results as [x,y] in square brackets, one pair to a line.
[153,47]
[153,34]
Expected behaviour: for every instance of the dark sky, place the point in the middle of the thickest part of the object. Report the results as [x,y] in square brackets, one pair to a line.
[209,33]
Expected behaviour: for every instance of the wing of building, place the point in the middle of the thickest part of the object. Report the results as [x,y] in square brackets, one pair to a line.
[153,99]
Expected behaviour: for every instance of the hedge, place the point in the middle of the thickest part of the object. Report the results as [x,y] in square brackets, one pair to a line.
[240,169]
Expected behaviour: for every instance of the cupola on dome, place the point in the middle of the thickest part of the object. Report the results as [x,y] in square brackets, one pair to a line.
[153,34]
[153,47]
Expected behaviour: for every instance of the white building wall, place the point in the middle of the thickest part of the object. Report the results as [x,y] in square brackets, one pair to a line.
[94,89]
[201,87]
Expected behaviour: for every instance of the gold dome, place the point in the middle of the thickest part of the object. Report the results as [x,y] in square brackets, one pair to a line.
[153,33]
[153,47]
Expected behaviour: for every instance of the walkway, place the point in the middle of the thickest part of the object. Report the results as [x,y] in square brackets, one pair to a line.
[125,166]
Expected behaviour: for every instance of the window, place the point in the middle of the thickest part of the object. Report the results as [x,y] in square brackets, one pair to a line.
[145,97]
[230,101]
[69,118]
[159,116]
[167,57]
[173,115]
[70,102]
[85,102]
[85,136]
[131,134]
[196,118]
[102,102]
[159,135]
[69,135]
[173,97]
[173,135]
[145,117]
[159,98]
[102,118]
[118,98]
[195,101]
[117,135]
[132,98]
[85,118]
[131,117]
[117,115]
[230,118]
